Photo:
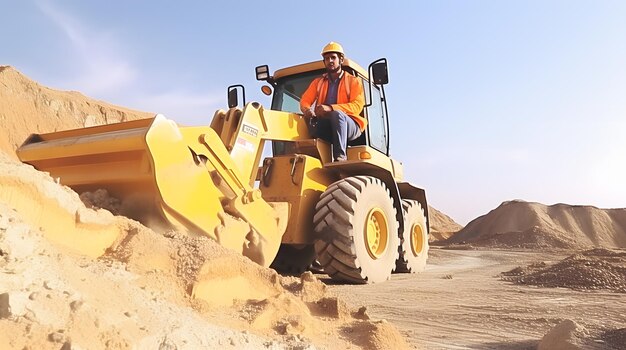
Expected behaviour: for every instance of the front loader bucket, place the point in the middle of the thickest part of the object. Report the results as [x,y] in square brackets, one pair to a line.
[165,177]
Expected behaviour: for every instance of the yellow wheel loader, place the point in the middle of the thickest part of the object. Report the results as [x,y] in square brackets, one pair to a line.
[357,218]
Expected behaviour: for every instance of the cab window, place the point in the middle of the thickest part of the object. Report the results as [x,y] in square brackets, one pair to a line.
[377,127]
[289,90]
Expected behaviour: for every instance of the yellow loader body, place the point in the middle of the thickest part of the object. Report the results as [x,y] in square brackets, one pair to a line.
[357,217]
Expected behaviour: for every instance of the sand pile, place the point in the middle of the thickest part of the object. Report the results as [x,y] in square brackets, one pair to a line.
[522,224]
[565,335]
[593,269]
[138,293]
[441,225]
[51,299]
[76,276]
[569,335]
[27,107]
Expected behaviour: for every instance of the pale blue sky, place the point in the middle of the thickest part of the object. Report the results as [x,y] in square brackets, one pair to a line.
[489,100]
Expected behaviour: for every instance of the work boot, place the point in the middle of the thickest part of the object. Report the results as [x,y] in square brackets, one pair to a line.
[316,267]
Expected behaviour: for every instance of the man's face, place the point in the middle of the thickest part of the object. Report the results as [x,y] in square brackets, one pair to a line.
[332,62]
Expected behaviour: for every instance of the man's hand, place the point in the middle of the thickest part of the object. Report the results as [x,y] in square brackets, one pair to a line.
[308,113]
[321,110]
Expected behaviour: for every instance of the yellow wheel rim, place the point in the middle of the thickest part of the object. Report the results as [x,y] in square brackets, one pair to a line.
[417,240]
[376,233]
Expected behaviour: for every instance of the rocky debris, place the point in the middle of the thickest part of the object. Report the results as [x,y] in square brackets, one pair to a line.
[57,337]
[361,314]
[292,324]
[593,269]
[331,307]
[567,335]
[615,338]
[571,335]
[379,335]
[101,199]
[311,289]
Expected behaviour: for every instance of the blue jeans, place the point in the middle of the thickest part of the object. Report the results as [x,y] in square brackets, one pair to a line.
[337,128]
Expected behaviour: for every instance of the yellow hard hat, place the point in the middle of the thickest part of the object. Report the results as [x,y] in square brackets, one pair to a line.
[332,47]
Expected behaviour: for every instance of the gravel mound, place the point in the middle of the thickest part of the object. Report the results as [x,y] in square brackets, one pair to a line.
[569,335]
[595,269]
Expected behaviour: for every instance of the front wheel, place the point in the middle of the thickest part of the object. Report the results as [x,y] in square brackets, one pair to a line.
[293,259]
[357,232]
[413,249]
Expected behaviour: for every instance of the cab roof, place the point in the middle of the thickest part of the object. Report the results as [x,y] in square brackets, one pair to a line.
[317,65]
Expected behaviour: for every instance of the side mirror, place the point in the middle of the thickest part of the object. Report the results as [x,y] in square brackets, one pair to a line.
[233,95]
[377,75]
[378,69]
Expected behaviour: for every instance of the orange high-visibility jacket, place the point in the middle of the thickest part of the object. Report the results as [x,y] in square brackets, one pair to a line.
[350,98]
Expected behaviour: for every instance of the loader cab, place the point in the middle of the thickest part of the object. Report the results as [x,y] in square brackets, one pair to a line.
[290,83]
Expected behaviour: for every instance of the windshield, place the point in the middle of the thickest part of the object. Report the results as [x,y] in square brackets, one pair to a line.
[289,89]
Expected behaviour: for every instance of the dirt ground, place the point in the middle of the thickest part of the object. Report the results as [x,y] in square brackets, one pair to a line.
[461,302]
[76,277]
[61,289]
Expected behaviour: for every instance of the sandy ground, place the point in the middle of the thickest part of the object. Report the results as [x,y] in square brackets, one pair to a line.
[73,277]
[76,277]
[461,302]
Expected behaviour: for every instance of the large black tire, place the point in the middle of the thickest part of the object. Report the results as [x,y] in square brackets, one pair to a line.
[292,259]
[413,248]
[357,231]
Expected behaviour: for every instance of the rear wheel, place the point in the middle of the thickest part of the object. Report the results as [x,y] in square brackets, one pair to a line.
[357,231]
[293,259]
[413,246]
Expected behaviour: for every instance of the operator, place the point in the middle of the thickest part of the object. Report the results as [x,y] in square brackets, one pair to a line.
[338,99]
